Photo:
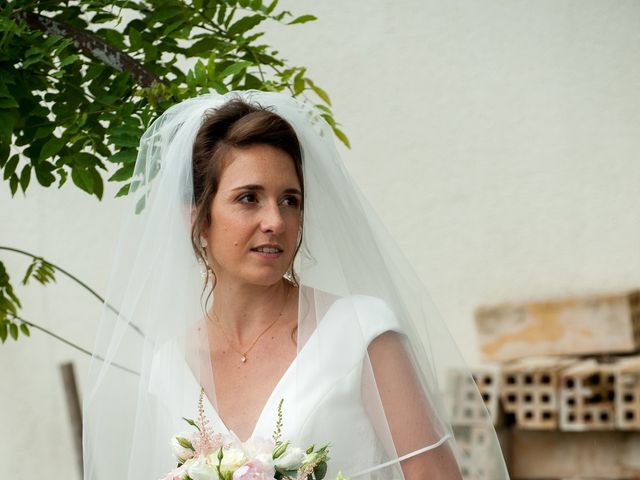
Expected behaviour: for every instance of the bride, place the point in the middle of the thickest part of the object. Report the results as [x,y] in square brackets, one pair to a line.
[254,277]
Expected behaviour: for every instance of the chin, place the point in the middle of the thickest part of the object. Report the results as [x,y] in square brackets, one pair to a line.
[266,279]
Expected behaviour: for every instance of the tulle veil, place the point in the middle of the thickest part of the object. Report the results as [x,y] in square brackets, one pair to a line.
[356,288]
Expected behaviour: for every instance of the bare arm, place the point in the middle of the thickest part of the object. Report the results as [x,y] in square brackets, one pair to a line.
[413,423]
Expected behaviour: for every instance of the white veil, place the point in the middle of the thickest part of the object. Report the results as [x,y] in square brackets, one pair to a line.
[373,352]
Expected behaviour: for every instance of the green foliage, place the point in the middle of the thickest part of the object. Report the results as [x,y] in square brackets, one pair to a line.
[79,83]
[41,270]
[277,432]
[9,302]
[9,305]
[13,328]
[10,325]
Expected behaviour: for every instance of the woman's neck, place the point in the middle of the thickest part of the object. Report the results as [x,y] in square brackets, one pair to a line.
[245,310]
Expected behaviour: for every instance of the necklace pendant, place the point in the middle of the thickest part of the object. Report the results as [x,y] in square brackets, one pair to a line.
[243,359]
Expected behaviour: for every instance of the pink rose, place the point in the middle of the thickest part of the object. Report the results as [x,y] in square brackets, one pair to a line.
[176,474]
[254,470]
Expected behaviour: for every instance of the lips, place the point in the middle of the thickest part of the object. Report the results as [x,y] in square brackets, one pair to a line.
[267,249]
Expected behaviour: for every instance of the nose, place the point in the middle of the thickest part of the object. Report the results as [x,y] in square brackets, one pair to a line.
[272,221]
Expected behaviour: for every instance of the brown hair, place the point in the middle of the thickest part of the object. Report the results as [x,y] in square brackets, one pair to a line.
[236,124]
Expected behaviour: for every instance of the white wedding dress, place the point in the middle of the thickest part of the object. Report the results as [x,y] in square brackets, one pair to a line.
[332,387]
[374,406]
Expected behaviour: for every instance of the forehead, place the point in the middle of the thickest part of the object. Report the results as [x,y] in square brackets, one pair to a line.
[258,164]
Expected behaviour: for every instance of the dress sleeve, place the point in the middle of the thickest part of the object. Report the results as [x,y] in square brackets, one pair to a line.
[375,317]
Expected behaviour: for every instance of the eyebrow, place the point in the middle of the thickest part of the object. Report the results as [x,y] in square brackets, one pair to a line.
[260,188]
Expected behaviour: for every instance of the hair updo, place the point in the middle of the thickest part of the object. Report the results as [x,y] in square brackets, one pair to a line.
[236,124]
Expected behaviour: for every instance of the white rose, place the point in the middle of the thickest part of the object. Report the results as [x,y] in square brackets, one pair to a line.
[201,470]
[290,459]
[258,446]
[182,453]
[266,459]
[232,459]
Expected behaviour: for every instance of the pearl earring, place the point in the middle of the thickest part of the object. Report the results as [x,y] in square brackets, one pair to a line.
[205,270]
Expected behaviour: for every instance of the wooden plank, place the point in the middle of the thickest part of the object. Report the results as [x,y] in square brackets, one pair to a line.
[74,409]
[599,324]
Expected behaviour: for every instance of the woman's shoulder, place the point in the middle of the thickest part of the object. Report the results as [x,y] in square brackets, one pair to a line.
[367,315]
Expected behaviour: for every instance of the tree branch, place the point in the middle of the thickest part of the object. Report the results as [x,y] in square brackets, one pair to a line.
[93,46]
[73,345]
[79,282]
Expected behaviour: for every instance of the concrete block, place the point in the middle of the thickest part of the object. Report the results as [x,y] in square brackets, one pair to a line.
[530,391]
[627,399]
[587,396]
[474,398]
[476,450]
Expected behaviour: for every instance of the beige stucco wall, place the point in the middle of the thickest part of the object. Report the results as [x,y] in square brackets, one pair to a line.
[498,140]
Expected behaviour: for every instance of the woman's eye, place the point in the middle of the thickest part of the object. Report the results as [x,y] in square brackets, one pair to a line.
[291,201]
[247,198]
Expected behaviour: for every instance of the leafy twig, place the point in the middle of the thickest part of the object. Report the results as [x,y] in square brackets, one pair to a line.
[77,280]
[73,345]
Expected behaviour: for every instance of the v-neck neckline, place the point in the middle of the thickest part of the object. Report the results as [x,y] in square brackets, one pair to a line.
[265,408]
[269,404]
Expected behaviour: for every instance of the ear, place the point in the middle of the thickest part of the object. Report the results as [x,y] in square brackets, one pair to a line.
[193,215]
[204,235]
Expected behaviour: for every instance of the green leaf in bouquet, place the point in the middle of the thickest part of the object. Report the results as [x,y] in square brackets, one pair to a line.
[320,471]
[290,473]
[280,449]
[191,422]
[184,443]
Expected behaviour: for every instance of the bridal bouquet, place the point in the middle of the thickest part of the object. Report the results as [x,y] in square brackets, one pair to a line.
[205,455]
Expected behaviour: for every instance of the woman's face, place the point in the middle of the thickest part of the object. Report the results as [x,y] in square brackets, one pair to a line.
[255,216]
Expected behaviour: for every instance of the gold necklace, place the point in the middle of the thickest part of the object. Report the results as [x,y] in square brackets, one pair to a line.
[243,355]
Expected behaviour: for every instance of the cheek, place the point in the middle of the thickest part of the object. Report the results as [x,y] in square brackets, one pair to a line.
[230,231]
[294,226]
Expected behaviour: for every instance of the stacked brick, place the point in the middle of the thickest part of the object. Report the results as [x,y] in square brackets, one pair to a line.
[475,455]
[561,370]
[587,397]
[566,364]
[530,392]
[627,394]
[467,390]
[475,408]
